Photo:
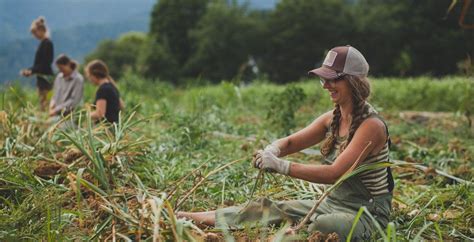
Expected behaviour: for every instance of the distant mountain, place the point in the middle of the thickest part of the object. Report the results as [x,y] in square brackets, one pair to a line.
[16,15]
[75,42]
[77,26]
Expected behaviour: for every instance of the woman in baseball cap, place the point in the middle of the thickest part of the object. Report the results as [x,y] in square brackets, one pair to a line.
[352,134]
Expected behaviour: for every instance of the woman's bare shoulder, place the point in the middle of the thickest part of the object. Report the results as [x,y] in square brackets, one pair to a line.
[326,118]
[373,125]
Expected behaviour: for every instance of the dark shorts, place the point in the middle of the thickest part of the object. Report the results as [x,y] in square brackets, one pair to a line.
[43,84]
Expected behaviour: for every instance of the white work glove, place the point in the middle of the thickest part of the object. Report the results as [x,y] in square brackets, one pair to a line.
[272,148]
[269,162]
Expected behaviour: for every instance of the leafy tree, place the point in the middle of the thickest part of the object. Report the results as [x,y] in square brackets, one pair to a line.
[410,37]
[156,60]
[215,39]
[225,38]
[120,55]
[378,28]
[438,42]
[171,22]
[299,33]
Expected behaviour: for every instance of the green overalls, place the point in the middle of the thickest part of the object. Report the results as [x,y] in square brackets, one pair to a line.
[335,214]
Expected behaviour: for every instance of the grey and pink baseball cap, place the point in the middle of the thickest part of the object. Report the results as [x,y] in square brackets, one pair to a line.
[340,61]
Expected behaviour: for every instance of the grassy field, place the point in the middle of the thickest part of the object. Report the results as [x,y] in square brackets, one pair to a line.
[190,149]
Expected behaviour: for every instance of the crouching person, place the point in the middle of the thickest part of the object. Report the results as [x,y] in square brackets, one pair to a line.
[68,88]
[108,103]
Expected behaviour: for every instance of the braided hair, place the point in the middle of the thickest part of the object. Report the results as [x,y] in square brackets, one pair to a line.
[360,90]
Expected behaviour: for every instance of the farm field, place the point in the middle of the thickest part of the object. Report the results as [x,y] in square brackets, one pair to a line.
[190,149]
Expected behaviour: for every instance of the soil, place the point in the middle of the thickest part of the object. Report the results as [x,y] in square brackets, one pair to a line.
[318,236]
[72,155]
[45,169]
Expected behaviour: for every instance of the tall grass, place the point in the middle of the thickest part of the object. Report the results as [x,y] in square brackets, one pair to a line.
[125,181]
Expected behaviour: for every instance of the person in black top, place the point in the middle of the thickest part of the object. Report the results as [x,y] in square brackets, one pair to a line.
[43,61]
[107,99]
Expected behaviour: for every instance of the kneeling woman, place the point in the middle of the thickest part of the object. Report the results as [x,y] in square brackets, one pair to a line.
[107,98]
[350,128]
[68,88]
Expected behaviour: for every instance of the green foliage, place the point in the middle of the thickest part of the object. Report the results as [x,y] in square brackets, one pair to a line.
[384,23]
[404,63]
[212,40]
[32,215]
[225,38]
[171,22]
[158,154]
[300,32]
[157,61]
[121,55]
[152,89]
[467,102]
[283,107]
[420,93]
[12,94]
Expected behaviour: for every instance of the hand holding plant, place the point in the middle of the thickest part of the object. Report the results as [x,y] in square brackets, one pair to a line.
[268,161]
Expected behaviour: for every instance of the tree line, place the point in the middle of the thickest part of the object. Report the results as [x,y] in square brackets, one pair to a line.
[214,40]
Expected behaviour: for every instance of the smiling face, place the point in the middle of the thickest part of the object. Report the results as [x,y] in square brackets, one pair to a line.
[339,90]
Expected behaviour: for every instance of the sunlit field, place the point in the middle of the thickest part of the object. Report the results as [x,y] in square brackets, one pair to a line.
[190,149]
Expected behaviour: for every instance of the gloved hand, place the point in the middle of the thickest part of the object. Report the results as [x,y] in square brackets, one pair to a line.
[267,161]
[272,148]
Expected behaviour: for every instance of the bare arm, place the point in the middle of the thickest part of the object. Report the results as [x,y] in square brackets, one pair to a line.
[100,109]
[310,135]
[371,130]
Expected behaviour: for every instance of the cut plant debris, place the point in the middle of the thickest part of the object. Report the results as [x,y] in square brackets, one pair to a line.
[191,150]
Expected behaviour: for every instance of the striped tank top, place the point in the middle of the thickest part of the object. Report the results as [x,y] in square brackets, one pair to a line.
[377,180]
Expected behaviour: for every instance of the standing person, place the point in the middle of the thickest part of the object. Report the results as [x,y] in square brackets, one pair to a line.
[352,129]
[68,87]
[107,98]
[43,60]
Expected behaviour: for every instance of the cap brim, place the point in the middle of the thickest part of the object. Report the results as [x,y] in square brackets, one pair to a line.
[324,72]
